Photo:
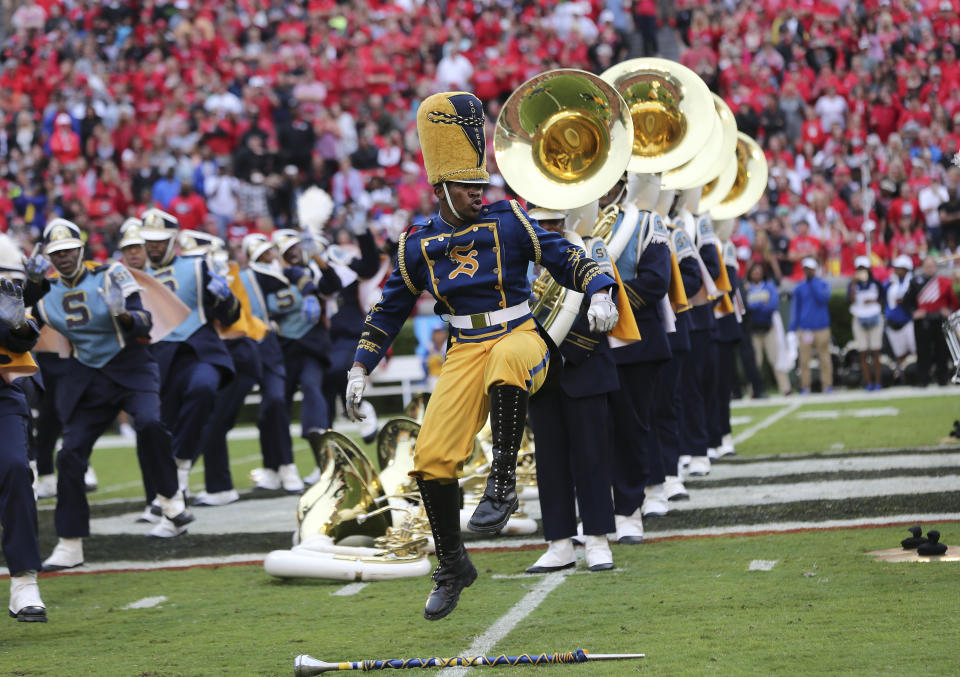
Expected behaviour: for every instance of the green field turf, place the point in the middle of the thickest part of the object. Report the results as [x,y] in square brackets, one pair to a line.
[691,605]
[920,422]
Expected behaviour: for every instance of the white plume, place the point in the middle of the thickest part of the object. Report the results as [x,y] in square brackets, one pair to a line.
[314,208]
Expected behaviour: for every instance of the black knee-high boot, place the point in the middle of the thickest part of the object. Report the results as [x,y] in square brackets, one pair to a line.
[508,413]
[455,571]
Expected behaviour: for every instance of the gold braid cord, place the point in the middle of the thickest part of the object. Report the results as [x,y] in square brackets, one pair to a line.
[402,264]
[530,231]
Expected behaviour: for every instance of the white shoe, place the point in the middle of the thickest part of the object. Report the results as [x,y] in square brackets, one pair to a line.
[559,555]
[699,466]
[654,501]
[67,554]
[151,513]
[712,453]
[90,479]
[183,474]
[25,603]
[683,463]
[216,498]
[313,477]
[266,479]
[674,489]
[629,528]
[578,538]
[726,446]
[47,486]
[127,432]
[290,478]
[369,425]
[166,528]
[599,557]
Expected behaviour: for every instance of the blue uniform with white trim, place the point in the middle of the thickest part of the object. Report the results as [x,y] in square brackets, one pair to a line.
[645,269]
[194,362]
[305,343]
[111,370]
[573,471]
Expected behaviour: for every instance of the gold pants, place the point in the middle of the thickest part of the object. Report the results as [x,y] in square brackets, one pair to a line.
[460,403]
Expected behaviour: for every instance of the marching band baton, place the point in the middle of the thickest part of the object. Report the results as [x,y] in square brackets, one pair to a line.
[305,665]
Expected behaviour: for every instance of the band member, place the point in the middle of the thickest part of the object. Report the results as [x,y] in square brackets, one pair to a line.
[473,259]
[240,339]
[299,313]
[726,335]
[18,509]
[567,420]
[132,244]
[99,311]
[263,275]
[646,269]
[194,363]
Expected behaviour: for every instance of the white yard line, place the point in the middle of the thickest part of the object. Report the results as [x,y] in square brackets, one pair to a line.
[801,465]
[349,589]
[896,393]
[506,623]
[768,421]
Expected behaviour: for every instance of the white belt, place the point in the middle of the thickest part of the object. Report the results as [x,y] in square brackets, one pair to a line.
[484,320]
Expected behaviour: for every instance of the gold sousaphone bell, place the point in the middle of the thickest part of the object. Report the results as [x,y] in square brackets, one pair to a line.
[563,138]
[671,108]
[749,182]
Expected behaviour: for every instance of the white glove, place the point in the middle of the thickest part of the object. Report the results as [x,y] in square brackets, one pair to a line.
[602,314]
[218,286]
[36,266]
[12,312]
[113,297]
[356,382]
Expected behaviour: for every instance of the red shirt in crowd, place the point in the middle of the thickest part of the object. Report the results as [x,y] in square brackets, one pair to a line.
[800,247]
[190,210]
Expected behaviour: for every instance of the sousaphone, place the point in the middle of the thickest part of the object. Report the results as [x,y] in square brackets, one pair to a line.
[712,158]
[749,182]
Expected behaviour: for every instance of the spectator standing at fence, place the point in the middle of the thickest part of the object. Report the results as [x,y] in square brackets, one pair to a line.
[810,318]
[864,295]
[763,302]
[930,299]
[897,318]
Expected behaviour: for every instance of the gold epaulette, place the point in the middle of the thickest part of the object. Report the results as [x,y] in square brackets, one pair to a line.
[402,264]
[530,231]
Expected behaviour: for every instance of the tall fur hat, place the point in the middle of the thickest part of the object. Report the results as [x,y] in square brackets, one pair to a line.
[450,126]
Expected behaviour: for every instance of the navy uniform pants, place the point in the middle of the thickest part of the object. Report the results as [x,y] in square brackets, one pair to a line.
[697,384]
[216,458]
[95,412]
[273,419]
[305,371]
[635,464]
[335,378]
[667,412]
[188,397]
[718,406]
[18,509]
[573,464]
[47,425]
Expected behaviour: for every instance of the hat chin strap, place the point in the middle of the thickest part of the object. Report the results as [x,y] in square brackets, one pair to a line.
[450,202]
[77,269]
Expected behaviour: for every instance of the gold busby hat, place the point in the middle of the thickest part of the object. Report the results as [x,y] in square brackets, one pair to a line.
[450,126]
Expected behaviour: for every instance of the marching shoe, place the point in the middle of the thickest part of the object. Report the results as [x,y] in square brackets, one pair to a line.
[175,512]
[266,479]
[183,474]
[654,501]
[559,555]
[290,478]
[454,570]
[90,479]
[629,528]
[599,557]
[313,477]
[726,446]
[166,528]
[127,432]
[25,603]
[67,554]
[216,498]
[674,489]
[369,425]
[578,538]
[712,453]
[47,486]
[508,412]
[699,466]
[683,465]
[151,513]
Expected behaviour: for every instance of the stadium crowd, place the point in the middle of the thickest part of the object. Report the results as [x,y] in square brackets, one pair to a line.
[223,112]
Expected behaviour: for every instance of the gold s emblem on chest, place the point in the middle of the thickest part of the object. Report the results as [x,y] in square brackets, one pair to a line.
[465,256]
